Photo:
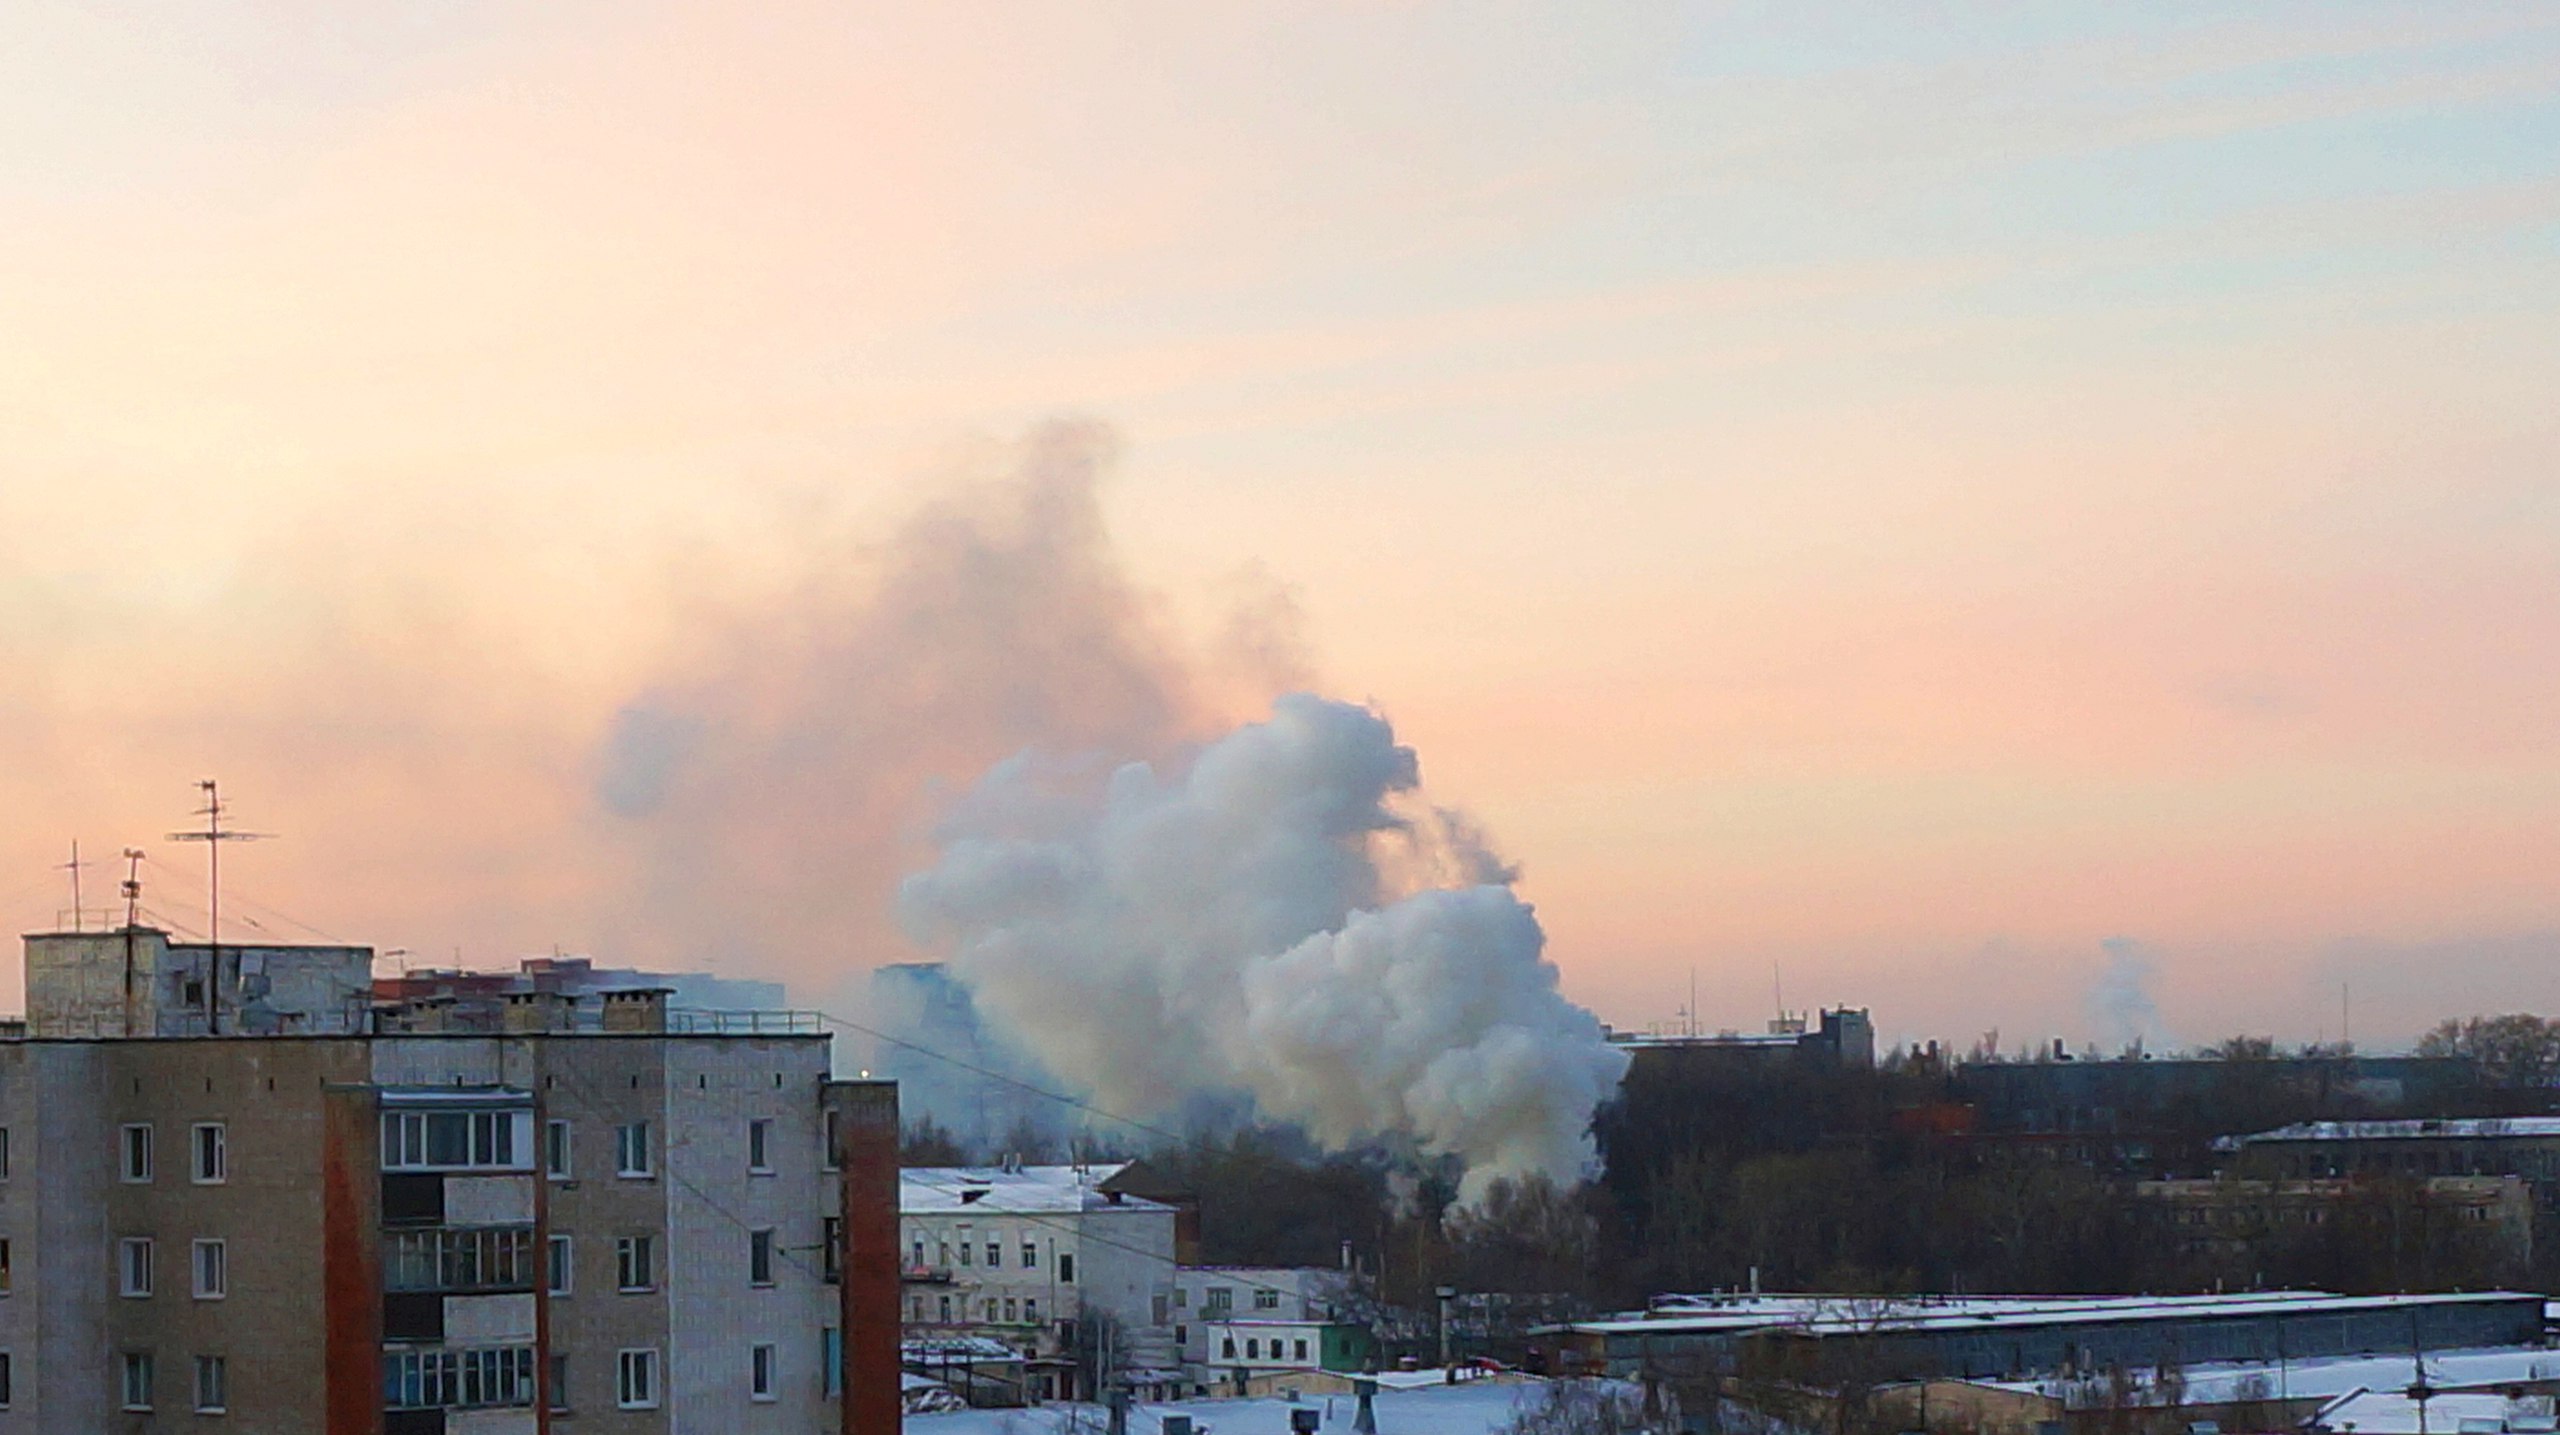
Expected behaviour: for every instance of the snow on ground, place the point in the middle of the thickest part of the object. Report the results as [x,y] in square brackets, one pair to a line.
[1473,1408]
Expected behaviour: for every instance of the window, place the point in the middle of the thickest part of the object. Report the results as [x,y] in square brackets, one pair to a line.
[212,1154]
[5,1278]
[133,1266]
[831,1254]
[213,1384]
[944,1313]
[760,1258]
[634,1264]
[966,1248]
[636,1380]
[1181,1337]
[6,1379]
[830,1361]
[484,1378]
[989,1304]
[1031,1309]
[631,1149]
[1181,1297]
[562,1265]
[137,1380]
[1011,1308]
[559,1385]
[1252,1349]
[1227,1348]
[1266,1300]
[212,1270]
[453,1140]
[1300,1349]
[995,1254]
[555,1150]
[1219,1301]
[760,1148]
[1067,1268]
[4,1153]
[760,1372]
[827,1139]
[1030,1256]
[136,1152]
[458,1258]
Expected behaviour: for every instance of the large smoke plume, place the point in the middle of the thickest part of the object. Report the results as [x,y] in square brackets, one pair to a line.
[1232,922]
[1142,898]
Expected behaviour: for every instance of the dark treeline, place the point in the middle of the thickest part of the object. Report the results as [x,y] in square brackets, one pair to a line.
[1722,1167]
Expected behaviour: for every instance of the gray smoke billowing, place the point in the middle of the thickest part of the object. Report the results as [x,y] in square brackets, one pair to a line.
[2120,1003]
[1245,920]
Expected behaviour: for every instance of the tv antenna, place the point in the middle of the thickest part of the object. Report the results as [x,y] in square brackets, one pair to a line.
[213,834]
[132,887]
[73,867]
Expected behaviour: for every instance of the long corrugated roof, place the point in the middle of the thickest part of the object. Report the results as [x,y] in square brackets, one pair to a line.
[1842,1315]
[1018,1191]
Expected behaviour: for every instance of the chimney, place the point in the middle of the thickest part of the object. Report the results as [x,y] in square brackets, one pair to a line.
[866,1155]
[640,1009]
[525,1012]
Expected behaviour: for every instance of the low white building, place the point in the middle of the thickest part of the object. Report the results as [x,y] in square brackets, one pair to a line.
[1204,1297]
[1042,1258]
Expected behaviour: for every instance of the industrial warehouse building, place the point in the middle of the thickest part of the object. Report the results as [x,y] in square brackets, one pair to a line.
[233,1186]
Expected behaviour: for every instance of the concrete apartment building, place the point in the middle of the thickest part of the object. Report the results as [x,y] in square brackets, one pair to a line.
[1047,1261]
[234,1193]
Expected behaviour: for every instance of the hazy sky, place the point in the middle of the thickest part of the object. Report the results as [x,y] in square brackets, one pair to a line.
[1891,497]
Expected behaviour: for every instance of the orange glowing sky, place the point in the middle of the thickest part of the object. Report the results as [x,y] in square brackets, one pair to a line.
[1888,502]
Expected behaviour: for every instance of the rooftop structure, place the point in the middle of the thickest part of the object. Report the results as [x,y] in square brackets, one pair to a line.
[1845,1036]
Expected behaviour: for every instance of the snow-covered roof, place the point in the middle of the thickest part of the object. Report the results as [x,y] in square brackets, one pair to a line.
[2215,1384]
[1841,1315]
[2389,1412]
[1016,1191]
[2472,1128]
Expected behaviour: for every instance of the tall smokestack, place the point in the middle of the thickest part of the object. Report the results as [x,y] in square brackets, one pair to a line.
[866,1157]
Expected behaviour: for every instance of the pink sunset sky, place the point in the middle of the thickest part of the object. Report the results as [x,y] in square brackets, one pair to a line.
[1888,498]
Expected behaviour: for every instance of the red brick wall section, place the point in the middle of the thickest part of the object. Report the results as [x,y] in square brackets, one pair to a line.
[351,1256]
[867,1155]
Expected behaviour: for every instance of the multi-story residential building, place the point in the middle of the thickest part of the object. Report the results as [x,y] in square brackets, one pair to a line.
[1047,1260]
[230,1195]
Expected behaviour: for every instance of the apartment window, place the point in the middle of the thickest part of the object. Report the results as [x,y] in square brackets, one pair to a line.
[1252,1349]
[760,1147]
[989,1304]
[1299,1348]
[827,1139]
[1221,1299]
[135,1152]
[966,1250]
[213,1385]
[452,1140]
[458,1258]
[1030,1256]
[831,1360]
[5,1278]
[555,1150]
[1266,1300]
[7,1378]
[995,1254]
[559,1385]
[4,1153]
[133,1266]
[136,1384]
[1031,1309]
[760,1258]
[212,1270]
[1227,1348]
[634,1262]
[484,1378]
[562,1265]
[1010,1309]
[831,1240]
[212,1154]
[760,1372]
[636,1380]
[1067,1268]
[943,1313]
[631,1149]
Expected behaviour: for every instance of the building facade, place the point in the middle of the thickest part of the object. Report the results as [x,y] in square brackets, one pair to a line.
[1046,1261]
[441,1217]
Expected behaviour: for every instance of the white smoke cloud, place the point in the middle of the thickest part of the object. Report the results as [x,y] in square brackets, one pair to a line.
[1248,920]
[2119,1001]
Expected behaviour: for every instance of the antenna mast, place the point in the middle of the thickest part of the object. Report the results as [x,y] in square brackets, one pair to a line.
[132,887]
[213,834]
[73,867]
